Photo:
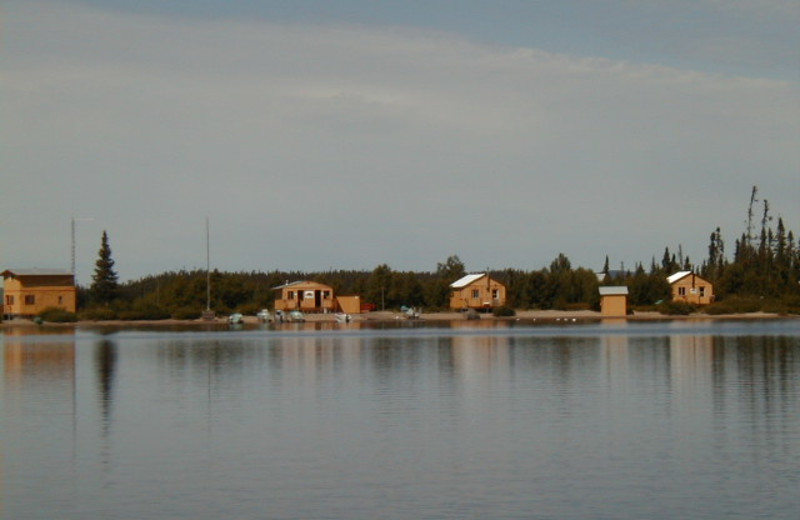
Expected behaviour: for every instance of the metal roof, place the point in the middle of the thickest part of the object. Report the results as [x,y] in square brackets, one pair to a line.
[677,276]
[288,284]
[466,280]
[613,290]
[36,272]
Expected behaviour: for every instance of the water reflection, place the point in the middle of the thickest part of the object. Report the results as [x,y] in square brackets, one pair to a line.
[106,365]
[458,421]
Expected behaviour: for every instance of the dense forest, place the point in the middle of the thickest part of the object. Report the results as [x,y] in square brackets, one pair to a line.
[762,273]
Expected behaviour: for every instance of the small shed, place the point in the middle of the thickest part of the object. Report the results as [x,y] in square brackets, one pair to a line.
[349,304]
[477,291]
[686,286]
[614,301]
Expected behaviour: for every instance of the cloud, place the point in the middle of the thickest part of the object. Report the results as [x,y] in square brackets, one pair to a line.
[313,146]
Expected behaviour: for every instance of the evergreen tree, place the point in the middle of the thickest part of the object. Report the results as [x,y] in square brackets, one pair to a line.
[105,287]
[451,270]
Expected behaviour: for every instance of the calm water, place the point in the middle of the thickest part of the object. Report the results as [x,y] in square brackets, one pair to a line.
[631,421]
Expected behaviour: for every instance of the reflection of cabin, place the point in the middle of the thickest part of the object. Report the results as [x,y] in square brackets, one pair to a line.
[308,296]
[614,301]
[690,288]
[477,291]
[27,292]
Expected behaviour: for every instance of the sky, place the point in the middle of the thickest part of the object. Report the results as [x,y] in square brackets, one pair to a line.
[317,135]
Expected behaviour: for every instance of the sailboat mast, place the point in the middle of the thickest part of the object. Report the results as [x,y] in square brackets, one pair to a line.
[208,269]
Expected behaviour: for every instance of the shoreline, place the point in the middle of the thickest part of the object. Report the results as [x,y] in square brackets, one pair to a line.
[545,316]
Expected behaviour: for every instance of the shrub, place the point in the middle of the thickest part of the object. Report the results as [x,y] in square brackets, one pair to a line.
[144,311]
[187,313]
[735,305]
[56,315]
[676,308]
[98,314]
[249,309]
[503,311]
[792,304]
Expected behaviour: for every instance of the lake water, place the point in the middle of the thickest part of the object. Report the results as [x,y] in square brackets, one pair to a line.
[683,419]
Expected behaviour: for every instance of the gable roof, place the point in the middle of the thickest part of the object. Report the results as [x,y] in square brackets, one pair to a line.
[613,290]
[35,272]
[466,280]
[299,283]
[677,276]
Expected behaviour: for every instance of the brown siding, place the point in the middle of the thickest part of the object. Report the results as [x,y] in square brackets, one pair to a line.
[480,294]
[27,296]
[614,305]
[306,297]
[693,289]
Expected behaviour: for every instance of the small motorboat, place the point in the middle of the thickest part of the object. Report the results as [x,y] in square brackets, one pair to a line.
[342,317]
[297,317]
[264,316]
[410,312]
[236,318]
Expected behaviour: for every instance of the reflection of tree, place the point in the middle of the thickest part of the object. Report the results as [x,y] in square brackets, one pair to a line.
[106,362]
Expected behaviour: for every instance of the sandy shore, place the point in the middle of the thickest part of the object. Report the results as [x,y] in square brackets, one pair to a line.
[391,316]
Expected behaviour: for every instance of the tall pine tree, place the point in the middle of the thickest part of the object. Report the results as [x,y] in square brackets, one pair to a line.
[105,287]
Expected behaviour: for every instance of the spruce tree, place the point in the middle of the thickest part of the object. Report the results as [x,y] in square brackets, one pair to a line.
[104,287]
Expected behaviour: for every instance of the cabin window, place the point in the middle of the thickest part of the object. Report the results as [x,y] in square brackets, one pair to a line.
[702,292]
[681,291]
[30,299]
[326,295]
[290,295]
[495,294]
[9,300]
[476,293]
[60,300]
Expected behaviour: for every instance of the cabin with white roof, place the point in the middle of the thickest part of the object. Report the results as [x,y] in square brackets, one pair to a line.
[477,291]
[690,288]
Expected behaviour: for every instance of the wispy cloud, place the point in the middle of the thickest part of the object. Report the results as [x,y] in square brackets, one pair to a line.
[316,146]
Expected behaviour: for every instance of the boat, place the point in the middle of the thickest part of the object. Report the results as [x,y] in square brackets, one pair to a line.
[343,317]
[235,318]
[410,312]
[264,316]
[297,317]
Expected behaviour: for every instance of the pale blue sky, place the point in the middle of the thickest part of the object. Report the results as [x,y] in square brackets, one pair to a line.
[346,134]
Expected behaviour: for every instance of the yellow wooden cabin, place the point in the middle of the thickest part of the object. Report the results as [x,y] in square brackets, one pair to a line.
[27,292]
[305,296]
[477,291]
[690,288]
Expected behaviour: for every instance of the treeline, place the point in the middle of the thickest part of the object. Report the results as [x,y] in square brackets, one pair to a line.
[763,273]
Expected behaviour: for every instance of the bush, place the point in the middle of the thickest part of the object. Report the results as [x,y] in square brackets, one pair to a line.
[249,309]
[792,304]
[676,308]
[503,311]
[56,315]
[187,313]
[144,311]
[735,305]
[98,314]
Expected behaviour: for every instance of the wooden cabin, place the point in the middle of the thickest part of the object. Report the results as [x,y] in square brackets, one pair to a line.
[690,288]
[305,296]
[27,292]
[477,291]
[614,301]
